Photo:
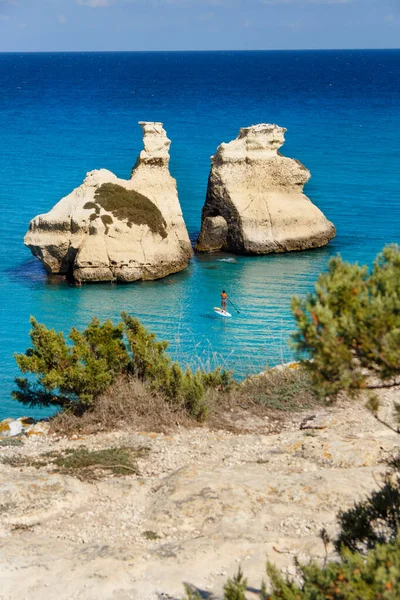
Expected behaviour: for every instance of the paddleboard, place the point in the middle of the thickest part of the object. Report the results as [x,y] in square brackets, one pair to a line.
[221,313]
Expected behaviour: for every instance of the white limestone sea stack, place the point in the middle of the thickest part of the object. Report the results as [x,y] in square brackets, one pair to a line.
[255,202]
[111,229]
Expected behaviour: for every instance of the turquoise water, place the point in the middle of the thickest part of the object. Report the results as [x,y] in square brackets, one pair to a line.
[62,115]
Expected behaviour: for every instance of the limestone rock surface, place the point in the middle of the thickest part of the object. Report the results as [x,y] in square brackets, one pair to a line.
[115,229]
[255,202]
[204,502]
[10,428]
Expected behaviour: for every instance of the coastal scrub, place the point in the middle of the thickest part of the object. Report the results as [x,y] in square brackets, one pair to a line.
[74,374]
[349,327]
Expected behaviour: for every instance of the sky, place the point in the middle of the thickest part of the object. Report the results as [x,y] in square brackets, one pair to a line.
[120,25]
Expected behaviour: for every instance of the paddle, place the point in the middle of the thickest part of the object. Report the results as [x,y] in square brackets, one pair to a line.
[234,306]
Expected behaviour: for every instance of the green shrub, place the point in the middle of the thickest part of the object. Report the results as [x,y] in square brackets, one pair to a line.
[235,588]
[73,376]
[350,325]
[117,459]
[374,521]
[107,220]
[82,462]
[92,205]
[150,363]
[218,379]
[193,392]
[373,576]
[70,375]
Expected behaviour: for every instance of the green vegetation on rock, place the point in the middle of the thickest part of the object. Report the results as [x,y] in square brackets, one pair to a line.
[92,205]
[84,463]
[107,221]
[130,206]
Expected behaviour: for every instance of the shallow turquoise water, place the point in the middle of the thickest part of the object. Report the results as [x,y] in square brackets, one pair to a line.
[62,115]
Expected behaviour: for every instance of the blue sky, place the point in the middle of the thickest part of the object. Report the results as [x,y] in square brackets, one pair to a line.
[60,25]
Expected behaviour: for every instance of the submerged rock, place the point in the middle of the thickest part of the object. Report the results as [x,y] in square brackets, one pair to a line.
[115,229]
[255,202]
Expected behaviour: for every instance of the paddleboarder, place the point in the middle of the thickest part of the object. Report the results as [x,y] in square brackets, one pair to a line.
[224,298]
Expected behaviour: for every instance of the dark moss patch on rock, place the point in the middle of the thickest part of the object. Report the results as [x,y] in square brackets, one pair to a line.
[107,221]
[92,205]
[130,206]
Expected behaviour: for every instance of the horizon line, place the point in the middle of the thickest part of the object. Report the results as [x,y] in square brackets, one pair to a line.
[195,51]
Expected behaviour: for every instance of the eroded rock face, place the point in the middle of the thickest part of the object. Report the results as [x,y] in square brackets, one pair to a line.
[259,194]
[214,234]
[115,229]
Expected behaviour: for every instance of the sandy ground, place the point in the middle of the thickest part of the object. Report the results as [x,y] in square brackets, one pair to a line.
[208,501]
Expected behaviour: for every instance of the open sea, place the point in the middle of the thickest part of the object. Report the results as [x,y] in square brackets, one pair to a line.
[64,114]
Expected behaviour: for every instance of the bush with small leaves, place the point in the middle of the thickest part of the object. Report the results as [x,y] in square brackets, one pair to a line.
[151,364]
[235,588]
[355,576]
[350,325]
[71,375]
[373,521]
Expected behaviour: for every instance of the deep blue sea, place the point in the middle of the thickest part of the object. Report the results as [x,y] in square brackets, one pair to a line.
[62,115]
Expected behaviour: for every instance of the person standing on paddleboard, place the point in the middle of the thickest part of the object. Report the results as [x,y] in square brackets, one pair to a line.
[224,298]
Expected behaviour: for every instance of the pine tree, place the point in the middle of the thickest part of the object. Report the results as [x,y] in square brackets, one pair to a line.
[349,327]
[70,375]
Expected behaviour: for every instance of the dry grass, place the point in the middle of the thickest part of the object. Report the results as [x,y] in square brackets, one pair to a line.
[277,394]
[130,404]
[127,404]
[287,389]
